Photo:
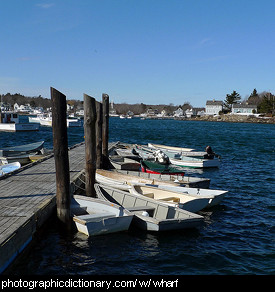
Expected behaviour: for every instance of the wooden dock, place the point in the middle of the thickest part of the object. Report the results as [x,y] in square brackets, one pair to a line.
[27,199]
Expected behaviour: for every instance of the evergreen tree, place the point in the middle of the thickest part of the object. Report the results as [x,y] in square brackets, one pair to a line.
[267,104]
[231,99]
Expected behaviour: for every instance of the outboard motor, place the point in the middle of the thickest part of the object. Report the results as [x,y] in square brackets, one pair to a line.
[161,157]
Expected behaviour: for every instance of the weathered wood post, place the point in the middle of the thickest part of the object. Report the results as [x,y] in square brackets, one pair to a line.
[60,146]
[90,144]
[98,135]
[105,130]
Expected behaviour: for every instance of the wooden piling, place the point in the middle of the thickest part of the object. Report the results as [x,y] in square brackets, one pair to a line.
[60,146]
[90,144]
[98,135]
[105,130]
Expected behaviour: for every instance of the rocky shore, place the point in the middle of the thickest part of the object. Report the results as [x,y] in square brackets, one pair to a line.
[236,119]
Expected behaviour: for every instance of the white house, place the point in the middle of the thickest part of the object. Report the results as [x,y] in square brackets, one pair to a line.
[22,108]
[213,107]
[244,109]
[189,113]
[178,112]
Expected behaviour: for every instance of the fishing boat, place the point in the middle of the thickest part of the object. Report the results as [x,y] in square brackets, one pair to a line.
[8,168]
[22,149]
[149,214]
[45,119]
[9,122]
[184,181]
[124,163]
[94,216]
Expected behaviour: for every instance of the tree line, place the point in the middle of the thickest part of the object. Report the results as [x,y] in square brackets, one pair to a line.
[265,102]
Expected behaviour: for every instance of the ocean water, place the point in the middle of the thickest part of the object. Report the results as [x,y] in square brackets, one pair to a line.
[237,237]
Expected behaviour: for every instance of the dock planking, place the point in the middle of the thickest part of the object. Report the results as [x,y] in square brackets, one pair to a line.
[27,199]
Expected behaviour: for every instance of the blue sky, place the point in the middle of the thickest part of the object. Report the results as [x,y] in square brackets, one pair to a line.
[149,51]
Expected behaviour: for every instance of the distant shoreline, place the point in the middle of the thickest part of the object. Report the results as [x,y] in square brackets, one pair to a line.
[236,119]
[222,118]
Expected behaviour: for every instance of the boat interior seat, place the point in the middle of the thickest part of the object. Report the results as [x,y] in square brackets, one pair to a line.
[149,209]
[96,216]
[78,210]
[173,199]
[149,195]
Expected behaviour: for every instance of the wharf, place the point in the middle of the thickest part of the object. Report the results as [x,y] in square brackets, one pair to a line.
[27,200]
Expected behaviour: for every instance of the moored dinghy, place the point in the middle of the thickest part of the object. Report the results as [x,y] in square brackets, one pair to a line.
[181,199]
[186,161]
[149,188]
[124,163]
[22,149]
[150,214]
[124,180]
[185,181]
[96,216]
[215,196]
[8,168]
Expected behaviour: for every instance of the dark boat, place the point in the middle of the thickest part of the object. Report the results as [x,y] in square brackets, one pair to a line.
[151,166]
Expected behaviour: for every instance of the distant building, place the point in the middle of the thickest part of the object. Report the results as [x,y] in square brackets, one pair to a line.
[189,113]
[179,112]
[213,107]
[244,109]
[152,112]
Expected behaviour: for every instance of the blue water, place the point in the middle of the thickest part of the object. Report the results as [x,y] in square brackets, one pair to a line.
[237,236]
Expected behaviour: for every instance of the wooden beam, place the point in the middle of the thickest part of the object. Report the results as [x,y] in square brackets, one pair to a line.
[60,146]
[105,130]
[98,135]
[90,144]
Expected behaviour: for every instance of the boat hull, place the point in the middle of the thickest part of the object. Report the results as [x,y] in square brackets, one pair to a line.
[195,162]
[22,149]
[22,159]
[95,217]
[157,168]
[180,199]
[20,127]
[8,168]
[149,214]
[186,181]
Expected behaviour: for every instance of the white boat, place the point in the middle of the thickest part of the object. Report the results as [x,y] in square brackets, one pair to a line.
[186,161]
[180,199]
[169,148]
[96,216]
[149,214]
[46,120]
[9,122]
[215,196]
[179,180]
[123,180]
[8,168]
[176,158]
[145,187]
